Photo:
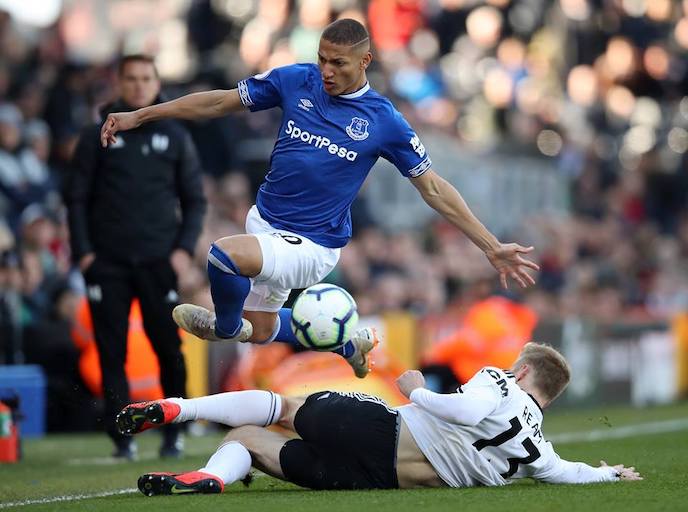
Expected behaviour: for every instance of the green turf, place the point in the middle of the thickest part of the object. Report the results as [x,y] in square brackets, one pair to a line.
[70,465]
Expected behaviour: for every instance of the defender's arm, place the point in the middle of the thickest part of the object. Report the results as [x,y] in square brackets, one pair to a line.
[468,408]
[566,472]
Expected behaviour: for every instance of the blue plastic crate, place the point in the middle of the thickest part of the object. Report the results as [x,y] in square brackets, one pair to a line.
[28,383]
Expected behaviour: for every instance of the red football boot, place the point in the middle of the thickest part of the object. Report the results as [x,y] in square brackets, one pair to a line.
[154,484]
[135,418]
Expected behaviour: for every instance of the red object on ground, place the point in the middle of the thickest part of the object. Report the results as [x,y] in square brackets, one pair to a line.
[9,436]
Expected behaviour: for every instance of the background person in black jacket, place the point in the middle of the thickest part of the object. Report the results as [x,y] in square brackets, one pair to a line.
[135,213]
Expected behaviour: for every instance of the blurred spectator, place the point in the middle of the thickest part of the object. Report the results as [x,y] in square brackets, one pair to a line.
[39,264]
[24,179]
[10,300]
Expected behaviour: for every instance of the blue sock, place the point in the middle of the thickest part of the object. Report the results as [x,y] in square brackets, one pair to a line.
[229,291]
[286,335]
[346,350]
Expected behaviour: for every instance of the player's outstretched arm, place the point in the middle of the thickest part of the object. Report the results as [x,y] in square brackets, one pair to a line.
[199,105]
[560,471]
[507,259]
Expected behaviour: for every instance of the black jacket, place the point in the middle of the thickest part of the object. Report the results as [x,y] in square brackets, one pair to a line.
[137,200]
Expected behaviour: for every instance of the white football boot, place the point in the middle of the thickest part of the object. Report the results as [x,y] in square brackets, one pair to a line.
[364,341]
[201,323]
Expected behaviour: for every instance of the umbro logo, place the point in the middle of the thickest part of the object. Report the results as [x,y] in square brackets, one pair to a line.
[305,104]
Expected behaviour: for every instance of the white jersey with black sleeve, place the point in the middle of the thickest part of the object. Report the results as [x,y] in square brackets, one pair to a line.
[488,433]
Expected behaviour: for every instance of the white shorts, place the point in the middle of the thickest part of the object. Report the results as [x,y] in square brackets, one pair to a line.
[289,261]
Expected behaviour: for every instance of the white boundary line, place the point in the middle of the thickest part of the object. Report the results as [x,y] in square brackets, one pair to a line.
[73,497]
[641,429]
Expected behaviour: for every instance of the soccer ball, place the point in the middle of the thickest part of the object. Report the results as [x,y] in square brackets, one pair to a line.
[324,317]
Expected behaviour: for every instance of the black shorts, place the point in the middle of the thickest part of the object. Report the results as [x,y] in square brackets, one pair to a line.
[348,441]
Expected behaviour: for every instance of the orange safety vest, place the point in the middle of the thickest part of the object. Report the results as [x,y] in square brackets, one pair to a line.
[492,333]
[141,368]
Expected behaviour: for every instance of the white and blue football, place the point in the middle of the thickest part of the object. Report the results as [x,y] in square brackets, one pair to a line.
[324,317]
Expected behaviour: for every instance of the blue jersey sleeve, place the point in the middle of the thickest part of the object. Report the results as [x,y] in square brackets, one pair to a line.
[264,90]
[403,148]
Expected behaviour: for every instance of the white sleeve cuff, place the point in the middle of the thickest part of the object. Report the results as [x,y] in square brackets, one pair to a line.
[244,94]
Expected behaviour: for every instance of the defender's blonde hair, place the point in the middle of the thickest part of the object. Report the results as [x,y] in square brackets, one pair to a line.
[551,371]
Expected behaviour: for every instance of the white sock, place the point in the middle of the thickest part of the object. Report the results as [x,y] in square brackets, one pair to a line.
[235,408]
[231,462]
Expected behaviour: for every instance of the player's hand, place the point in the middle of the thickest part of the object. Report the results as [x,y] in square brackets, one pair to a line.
[410,380]
[86,261]
[118,122]
[180,260]
[624,472]
[509,263]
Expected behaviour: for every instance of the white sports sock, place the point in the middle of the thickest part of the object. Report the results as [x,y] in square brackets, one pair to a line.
[235,408]
[231,462]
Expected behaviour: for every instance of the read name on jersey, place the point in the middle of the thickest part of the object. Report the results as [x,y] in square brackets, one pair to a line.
[499,379]
[318,141]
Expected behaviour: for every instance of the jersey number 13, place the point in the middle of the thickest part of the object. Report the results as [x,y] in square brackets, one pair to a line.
[516,427]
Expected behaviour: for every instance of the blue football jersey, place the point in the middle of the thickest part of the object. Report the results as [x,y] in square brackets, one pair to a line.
[325,149]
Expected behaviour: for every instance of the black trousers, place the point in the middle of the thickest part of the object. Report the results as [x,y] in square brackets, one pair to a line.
[111,287]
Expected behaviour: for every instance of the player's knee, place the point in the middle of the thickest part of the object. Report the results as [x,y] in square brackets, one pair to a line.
[241,434]
[290,405]
[243,251]
[249,436]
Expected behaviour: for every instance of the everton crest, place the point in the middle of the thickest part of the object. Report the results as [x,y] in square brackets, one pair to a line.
[358,129]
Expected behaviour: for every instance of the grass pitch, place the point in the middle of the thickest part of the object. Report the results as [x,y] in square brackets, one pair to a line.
[73,472]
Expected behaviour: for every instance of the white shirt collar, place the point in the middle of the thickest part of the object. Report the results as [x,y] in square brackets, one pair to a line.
[356,94]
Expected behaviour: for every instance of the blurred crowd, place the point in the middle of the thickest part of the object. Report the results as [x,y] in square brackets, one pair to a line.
[598,87]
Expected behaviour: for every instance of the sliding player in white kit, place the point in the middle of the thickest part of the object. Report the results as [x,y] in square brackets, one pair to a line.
[487,433]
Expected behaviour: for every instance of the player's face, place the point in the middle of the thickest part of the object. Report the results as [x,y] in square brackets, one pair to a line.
[342,68]
[138,84]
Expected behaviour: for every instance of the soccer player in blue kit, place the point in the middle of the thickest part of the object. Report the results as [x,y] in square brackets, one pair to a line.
[334,128]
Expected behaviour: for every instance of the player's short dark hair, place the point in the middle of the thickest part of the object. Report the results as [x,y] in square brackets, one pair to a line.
[552,372]
[345,32]
[136,57]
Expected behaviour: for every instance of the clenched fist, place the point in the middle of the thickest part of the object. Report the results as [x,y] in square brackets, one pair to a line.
[410,380]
